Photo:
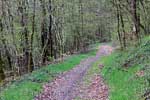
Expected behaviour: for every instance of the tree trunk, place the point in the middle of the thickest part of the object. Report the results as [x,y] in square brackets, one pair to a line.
[44,38]
[26,46]
[118,26]
[135,17]
[50,37]
[31,64]
[2,66]
[122,24]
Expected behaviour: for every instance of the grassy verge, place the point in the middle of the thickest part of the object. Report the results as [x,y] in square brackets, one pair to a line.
[31,84]
[120,72]
[124,85]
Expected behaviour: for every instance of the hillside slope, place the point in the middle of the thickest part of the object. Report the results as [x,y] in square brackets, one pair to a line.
[128,73]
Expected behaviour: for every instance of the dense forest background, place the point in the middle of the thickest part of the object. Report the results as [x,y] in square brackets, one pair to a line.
[36,32]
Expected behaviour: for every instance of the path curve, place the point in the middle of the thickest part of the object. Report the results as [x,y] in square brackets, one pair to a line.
[64,87]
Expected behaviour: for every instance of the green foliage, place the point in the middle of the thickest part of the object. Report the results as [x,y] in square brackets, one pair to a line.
[138,55]
[29,85]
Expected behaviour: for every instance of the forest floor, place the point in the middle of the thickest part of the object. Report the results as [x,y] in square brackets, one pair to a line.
[80,83]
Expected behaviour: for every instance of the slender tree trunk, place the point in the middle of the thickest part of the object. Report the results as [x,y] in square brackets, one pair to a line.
[118,27]
[44,38]
[31,63]
[26,47]
[2,65]
[124,33]
[82,26]
[135,17]
[50,37]
[122,24]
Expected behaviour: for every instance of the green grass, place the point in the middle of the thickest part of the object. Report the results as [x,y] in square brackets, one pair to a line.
[31,84]
[124,85]
[121,68]
[123,82]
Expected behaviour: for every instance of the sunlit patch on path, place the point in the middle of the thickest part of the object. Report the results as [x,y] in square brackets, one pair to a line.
[105,50]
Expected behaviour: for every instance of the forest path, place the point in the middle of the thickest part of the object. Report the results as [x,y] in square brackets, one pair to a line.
[67,85]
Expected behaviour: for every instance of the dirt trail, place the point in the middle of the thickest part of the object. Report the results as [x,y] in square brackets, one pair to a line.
[65,87]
